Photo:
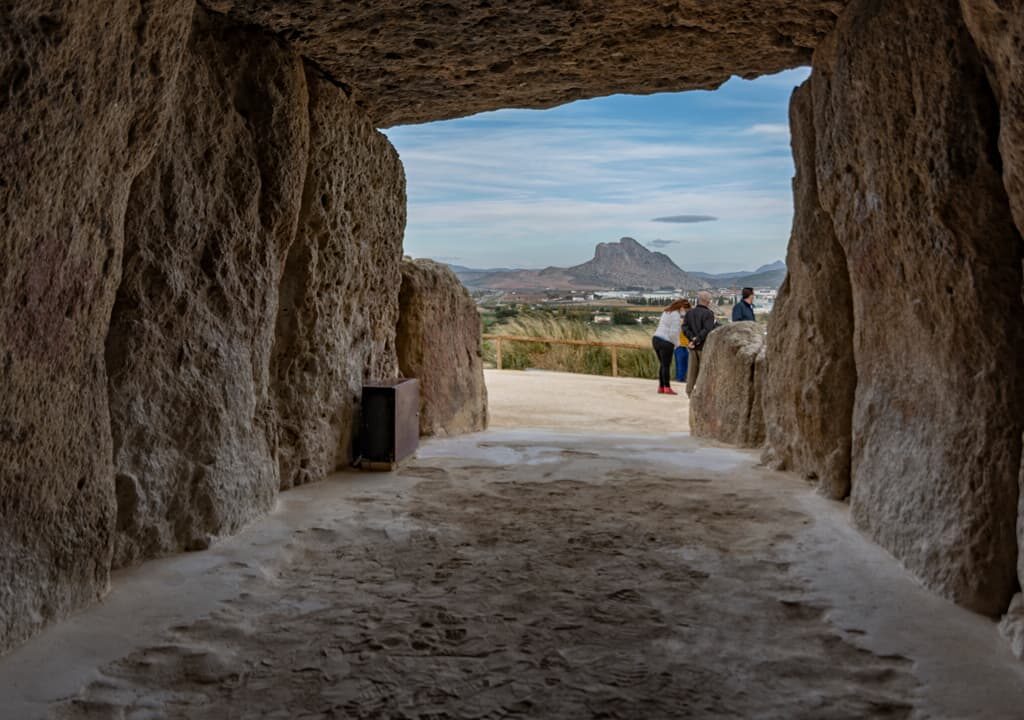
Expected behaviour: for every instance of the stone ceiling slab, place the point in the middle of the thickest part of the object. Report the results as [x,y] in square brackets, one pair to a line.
[409,61]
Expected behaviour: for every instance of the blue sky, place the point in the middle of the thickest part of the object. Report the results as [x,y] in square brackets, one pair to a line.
[531,188]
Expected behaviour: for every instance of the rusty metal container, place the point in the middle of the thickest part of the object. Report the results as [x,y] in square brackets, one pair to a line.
[391,422]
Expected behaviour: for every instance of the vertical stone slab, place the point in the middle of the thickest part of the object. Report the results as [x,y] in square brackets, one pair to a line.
[997,27]
[811,376]
[83,98]
[909,169]
[339,292]
[727,400]
[439,342]
[188,353]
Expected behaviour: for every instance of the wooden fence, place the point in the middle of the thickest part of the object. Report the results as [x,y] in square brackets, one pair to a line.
[613,346]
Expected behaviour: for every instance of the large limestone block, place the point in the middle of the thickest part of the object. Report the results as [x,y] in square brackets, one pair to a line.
[439,343]
[907,163]
[998,28]
[811,378]
[338,307]
[188,353]
[84,90]
[1012,624]
[727,399]
[409,61]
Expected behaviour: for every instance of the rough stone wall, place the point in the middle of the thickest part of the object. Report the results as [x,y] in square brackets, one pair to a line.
[338,308]
[188,353]
[998,29]
[439,342]
[908,168]
[82,98]
[150,135]
[727,400]
[811,378]
[409,61]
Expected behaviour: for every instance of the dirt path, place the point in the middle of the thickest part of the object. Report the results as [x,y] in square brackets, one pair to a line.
[584,403]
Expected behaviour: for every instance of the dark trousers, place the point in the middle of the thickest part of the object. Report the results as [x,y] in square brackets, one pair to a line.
[663,349]
[682,360]
[693,371]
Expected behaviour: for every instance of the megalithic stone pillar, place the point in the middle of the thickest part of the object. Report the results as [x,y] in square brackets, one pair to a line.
[998,30]
[811,378]
[908,167]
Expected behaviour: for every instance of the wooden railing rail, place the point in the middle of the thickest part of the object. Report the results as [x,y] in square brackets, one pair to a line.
[613,346]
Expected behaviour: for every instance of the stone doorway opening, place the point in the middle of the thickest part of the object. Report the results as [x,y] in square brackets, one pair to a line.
[579,223]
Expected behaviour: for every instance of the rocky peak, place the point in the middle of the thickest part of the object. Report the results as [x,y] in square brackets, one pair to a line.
[626,246]
[627,263]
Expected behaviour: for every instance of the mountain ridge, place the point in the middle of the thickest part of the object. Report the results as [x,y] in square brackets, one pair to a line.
[770,267]
[622,264]
[768,275]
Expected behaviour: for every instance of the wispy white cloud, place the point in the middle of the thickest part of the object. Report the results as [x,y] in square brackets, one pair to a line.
[778,130]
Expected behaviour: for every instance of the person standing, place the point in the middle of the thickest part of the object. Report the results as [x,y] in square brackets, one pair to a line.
[665,340]
[682,353]
[699,323]
[744,309]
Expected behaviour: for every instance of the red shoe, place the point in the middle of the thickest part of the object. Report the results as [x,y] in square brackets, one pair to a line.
[661,390]
[670,391]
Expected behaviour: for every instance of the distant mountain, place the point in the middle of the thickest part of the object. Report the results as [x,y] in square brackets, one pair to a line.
[770,275]
[771,279]
[777,265]
[623,264]
[470,277]
[627,263]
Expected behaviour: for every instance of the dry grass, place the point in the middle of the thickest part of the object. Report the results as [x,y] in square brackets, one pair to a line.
[640,363]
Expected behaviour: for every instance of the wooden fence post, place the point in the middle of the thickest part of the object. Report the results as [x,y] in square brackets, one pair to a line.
[615,362]
[497,346]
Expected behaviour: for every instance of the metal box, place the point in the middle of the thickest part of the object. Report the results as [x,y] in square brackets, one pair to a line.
[391,422]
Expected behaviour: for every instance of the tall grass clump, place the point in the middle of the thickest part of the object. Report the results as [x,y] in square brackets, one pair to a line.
[640,363]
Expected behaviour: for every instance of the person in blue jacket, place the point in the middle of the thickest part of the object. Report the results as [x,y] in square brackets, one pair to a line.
[744,309]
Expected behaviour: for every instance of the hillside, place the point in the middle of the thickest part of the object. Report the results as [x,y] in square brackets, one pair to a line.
[769,278]
[770,275]
[623,264]
[627,263]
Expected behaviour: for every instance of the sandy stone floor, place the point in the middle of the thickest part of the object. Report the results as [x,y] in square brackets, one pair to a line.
[590,404]
[525,573]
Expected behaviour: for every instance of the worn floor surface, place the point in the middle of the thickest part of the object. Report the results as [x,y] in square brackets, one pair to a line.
[593,404]
[524,574]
